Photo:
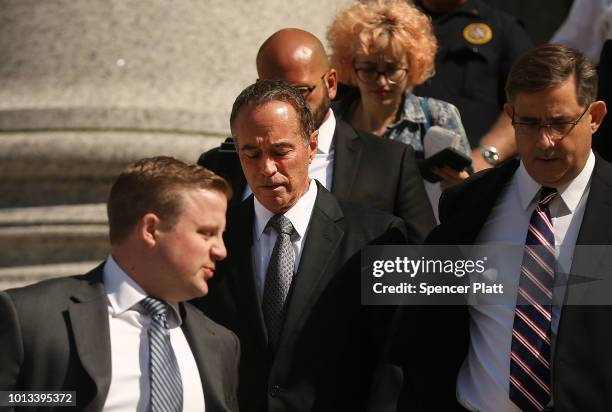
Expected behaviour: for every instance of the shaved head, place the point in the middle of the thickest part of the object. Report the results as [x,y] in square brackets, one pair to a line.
[289,50]
[299,58]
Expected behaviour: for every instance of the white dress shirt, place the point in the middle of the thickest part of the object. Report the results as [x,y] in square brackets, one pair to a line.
[264,237]
[130,388]
[586,28]
[483,381]
[322,166]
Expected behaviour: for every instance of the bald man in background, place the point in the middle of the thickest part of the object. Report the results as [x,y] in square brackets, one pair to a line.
[354,165]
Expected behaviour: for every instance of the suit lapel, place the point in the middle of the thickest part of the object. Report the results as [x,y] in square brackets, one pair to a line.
[347,154]
[242,280]
[88,311]
[313,275]
[199,338]
[468,222]
[595,230]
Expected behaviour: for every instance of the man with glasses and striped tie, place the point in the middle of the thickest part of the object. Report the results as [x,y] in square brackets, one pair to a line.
[119,337]
[549,348]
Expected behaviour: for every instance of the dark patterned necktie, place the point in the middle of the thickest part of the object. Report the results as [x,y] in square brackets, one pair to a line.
[531,333]
[278,278]
[166,384]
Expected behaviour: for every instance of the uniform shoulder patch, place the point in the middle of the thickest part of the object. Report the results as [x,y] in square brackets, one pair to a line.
[478,33]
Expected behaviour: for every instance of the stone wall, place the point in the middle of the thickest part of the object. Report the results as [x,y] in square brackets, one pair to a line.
[87,86]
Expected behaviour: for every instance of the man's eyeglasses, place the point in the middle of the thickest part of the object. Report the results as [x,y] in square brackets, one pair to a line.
[370,75]
[305,89]
[554,131]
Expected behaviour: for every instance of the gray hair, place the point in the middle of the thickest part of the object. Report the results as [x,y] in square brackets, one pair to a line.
[266,91]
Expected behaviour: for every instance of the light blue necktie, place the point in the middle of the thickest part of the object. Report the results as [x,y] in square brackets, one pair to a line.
[166,384]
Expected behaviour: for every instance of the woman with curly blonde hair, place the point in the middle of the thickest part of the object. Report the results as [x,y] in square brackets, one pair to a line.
[384,48]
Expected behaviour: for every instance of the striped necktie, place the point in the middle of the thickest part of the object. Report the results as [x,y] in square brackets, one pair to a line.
[166,384]
[530,351]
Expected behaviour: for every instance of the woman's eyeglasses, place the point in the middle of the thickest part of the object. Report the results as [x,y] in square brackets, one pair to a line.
[393,75]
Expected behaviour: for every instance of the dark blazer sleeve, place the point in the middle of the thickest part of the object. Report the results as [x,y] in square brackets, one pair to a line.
[235,363]
[224,161]
[11,349]
[412,204]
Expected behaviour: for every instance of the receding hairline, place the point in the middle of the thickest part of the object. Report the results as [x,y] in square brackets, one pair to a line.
[253,106]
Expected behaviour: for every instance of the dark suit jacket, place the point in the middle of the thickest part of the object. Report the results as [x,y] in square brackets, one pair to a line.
[375,172]
[582,365]
[55,336]
[330,344]
[601,139]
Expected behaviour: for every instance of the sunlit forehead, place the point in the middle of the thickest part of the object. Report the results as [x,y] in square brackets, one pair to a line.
[198,199]
[558,103]
[268,127]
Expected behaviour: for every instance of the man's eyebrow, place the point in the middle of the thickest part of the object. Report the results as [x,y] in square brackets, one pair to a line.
[555,119]
[526,118]
[248,147]
[282,145]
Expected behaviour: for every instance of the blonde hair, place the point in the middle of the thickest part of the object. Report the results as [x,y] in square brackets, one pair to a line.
[372,27]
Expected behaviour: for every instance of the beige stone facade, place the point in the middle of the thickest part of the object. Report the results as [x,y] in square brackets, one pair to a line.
[87,86]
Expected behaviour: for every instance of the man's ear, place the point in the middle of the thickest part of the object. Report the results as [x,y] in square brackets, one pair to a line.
[508,110]
[148,225]
[314,142]
[332,84]
[598,112]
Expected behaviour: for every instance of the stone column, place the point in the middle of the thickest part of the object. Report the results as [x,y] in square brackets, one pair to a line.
[87,86]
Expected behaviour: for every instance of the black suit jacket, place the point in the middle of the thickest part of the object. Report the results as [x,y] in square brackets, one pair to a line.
[582,365]
[601,138]
[55,336]
[330,344]
[376,172]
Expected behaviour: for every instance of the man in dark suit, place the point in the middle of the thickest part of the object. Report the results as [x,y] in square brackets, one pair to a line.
[292,294]
[119,335]
[354,165]
[554,352]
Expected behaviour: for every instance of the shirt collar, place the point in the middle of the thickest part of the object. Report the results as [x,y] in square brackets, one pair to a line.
[125,293]
[326,133]
[570,193]
[411,110]
[299,214]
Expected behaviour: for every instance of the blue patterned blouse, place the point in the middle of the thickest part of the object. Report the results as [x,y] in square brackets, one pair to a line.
[408,128]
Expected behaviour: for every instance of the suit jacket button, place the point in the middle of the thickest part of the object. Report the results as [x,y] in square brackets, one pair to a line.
[274,391]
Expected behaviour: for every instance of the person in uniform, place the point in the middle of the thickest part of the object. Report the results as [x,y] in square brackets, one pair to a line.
[477,45]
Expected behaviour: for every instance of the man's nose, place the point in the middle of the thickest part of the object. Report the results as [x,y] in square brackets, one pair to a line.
[544,138]
[219,252]
[268,167]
